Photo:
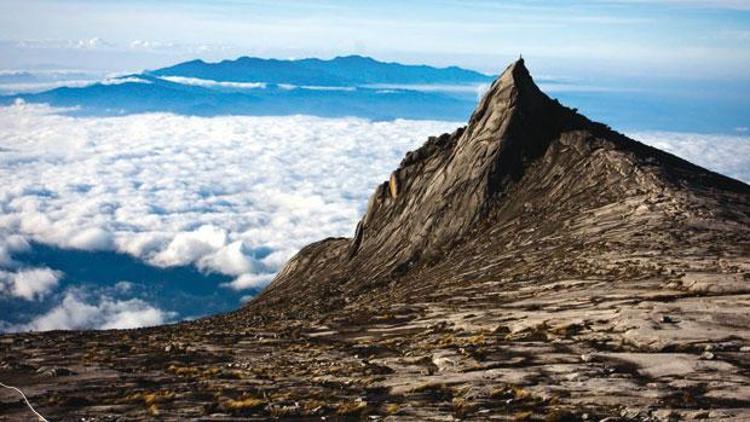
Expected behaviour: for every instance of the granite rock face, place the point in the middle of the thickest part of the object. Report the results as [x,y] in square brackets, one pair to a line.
[533,265]
[523,160]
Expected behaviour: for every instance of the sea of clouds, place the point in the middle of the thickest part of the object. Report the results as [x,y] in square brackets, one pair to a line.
[234,195]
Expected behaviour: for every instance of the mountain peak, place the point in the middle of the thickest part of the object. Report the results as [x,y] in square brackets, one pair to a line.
[355,58]
[516,75]
[445,189]
[516,72]
[524,160]
[515,87]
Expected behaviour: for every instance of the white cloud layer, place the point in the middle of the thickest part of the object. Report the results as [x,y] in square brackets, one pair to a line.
[76,313]
[247,281]
[10,244]
[30,81]
[80,44]
[29,87]
[124,80]
[236,195]
[29,284]
[211,83]
[729,155]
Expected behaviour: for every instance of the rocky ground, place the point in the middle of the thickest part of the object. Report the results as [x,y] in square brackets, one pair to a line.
[599,280]
[651,343]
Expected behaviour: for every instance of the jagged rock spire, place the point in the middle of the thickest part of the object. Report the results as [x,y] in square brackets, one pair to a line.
[442,189]
[522,157]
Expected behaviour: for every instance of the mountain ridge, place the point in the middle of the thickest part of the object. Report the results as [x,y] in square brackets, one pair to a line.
[342,87]
[350,70]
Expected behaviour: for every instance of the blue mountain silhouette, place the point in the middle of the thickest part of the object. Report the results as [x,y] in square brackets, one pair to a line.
[345,86]
[340,71]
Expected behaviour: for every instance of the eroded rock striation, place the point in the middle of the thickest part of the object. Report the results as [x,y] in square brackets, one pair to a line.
[533,265]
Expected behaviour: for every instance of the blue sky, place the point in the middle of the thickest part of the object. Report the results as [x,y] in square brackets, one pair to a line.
[684,39]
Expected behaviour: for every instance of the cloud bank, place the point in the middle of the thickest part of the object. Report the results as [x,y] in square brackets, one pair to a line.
[728,155]
[29,284]
[75,312]
[211,83]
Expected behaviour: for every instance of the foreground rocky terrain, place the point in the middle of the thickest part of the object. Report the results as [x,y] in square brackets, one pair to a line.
[533,265]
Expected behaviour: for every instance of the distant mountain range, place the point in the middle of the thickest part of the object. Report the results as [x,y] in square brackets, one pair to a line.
[343,86]
[360,86]
[340,71]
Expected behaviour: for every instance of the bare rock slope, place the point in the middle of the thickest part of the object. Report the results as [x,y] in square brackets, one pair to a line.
[531,265]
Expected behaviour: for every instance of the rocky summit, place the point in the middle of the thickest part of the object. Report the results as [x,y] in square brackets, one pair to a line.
[532,265]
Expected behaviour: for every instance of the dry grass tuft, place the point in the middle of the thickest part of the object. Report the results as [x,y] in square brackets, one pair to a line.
[351,407]
[521,416]
[392,408]
[244,403]
[183,371]
[428,386]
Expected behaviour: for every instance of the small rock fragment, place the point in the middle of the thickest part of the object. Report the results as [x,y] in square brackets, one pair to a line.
[588,357]
[707,356]
[663,415]
[700,414]
[55,372]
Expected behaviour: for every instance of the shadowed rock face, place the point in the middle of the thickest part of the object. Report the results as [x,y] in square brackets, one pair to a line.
[531,265]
